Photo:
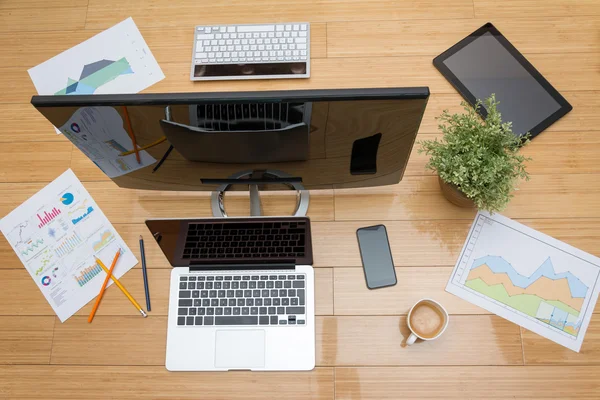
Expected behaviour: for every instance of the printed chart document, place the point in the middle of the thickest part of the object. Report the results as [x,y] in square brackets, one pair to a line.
[100,134]
[56,234]
[117,60]
[529,278]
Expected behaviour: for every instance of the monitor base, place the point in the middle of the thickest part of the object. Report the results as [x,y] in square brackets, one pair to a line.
[217,198]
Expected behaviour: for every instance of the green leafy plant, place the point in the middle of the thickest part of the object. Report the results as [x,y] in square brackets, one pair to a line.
[479,157]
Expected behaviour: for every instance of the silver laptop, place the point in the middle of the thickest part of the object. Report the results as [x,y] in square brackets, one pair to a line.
[242,293]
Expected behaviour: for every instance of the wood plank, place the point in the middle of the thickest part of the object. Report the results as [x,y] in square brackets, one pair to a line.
[376,341]
[32,4]
[583,117]
[25,340]
[34,162]
[134,206]
[577,154]
[339,342]
[28,50]
[421,198]
[142,382]
[19,295]
[37,128]
[103,14]
[483,382]
[43,18]
[433,243]
[352,297]
[560,34]
[540,351]
[517,8]
[575,73]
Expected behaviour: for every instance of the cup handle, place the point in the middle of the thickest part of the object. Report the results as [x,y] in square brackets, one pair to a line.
[411,339]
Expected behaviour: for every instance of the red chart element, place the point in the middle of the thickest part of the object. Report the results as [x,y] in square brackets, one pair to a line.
[47,217]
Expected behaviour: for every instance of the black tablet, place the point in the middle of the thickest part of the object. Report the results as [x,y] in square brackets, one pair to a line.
[484,63]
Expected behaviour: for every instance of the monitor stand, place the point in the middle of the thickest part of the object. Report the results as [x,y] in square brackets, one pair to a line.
[255,177]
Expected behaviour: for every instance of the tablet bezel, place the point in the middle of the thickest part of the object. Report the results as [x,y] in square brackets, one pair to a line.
[438,62]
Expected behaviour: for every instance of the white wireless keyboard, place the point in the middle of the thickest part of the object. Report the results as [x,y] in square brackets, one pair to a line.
[265,51]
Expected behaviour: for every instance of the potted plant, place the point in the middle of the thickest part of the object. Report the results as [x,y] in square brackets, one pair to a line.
[477,161]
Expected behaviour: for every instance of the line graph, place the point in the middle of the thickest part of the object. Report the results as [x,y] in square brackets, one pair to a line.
[32,246]
[545,295]
[527,277]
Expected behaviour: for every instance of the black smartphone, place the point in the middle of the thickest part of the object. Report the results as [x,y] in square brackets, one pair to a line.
[376,256]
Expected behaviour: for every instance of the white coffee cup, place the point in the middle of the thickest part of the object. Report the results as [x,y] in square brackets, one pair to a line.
[427,320]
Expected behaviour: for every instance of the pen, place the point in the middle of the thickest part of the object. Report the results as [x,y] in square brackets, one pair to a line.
[145,273]
[125,292]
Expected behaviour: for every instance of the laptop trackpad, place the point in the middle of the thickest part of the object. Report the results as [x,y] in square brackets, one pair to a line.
[240,349]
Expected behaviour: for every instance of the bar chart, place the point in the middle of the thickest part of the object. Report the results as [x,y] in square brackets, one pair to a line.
[68,244]
[47,217]
[87,274]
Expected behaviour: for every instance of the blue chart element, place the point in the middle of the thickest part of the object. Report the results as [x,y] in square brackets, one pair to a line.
[46,280]
[67,199]
[500,265]
[76,220]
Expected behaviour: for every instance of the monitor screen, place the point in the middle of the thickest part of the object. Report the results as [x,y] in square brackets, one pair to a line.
[325,138]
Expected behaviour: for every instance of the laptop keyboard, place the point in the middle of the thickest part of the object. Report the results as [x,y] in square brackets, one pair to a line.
[246,240]
[242,299]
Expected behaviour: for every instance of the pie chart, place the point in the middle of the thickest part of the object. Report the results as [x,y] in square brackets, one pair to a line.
[67,199]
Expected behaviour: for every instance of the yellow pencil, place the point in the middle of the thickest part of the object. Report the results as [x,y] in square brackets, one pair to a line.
[159,141]
[125,292]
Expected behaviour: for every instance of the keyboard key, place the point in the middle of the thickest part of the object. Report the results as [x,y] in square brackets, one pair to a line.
[180,320]
[263,320]
[283,322]
[185,303]
[208,320]
[294,310]
[189,320]
[288,284]
[253,310]
[185,294]
[204,294]
[245,310]
[285,301]
[300,322]
[219,311]
[227,311]
[201,311]
[249,302]
[280,310]
[257,28]
[252,285]
[274,320]
[195,294]
[298,284]
[267,302]
[206,303]
[241,320]
[272,310]
[244,285]
[277,302]
[182,311]
[210,311]
[222,302]
[210,278]
[183,278]
[197,302]
[198,321]
[256,293]
[214,302]
[212,294]
[183,285]
[262,310]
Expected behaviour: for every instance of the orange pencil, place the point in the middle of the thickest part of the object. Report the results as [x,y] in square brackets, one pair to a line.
[131,135]
[91,317]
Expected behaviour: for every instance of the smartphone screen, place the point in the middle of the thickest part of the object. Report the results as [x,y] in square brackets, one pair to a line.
[376,256]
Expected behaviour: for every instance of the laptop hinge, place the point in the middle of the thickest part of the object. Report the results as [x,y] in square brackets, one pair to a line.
[244,266]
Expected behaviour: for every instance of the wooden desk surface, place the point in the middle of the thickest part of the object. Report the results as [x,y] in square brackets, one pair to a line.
[354,43]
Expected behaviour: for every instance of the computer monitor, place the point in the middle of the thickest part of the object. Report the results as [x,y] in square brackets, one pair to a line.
[341,138]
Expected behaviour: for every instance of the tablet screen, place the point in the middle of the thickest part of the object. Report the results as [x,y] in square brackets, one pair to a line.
[484,67]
